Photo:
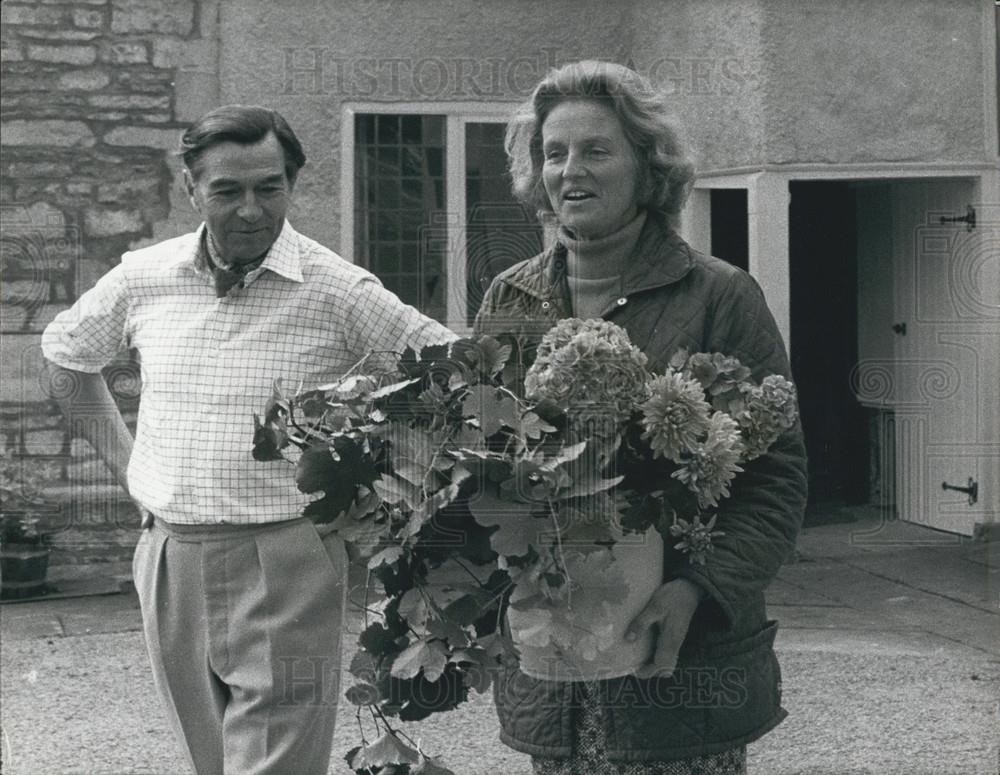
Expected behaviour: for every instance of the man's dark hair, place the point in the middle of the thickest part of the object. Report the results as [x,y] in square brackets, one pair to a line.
[243,124]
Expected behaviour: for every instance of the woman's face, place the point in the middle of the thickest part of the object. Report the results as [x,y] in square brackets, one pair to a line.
[590,172]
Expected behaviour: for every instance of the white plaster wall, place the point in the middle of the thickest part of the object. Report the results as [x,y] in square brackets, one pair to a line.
[760,82]
[394,51]
[706,57]
[860,81]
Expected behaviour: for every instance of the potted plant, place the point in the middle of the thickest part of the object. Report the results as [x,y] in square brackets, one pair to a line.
[24,545]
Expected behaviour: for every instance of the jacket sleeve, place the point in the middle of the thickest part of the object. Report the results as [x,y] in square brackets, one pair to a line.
[762,516]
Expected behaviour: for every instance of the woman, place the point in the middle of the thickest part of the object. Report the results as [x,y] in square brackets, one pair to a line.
[593,150]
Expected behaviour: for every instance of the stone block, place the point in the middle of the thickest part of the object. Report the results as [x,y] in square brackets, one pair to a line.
[89,18]
[108,115]
[44,442]
[135,191]
[28,190]
[84,80]
[22,361]
[147,80]
[30,168]
[36,418]
[16,319]
[167,52]
[107,223]
[68,55]
[47,34]
[27,14]
[29,84]
[37,218]
[66,134]
[21,294]
[41,104]
[130,101]
[11,54]
[137,16]
[125,53]
[142,136]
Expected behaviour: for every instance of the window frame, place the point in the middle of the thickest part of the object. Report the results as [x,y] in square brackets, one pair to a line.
[456,115]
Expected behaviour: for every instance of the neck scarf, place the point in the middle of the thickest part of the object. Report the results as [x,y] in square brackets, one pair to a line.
[227,277]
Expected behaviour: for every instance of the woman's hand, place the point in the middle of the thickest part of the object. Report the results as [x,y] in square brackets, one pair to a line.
[670,608]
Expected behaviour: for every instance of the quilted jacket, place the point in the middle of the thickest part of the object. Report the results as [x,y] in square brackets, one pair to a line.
[726,690]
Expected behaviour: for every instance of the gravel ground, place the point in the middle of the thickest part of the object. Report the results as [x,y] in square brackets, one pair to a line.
[860,704]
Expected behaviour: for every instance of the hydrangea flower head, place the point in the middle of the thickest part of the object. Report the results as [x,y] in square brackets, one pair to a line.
[589,364]
[767,411]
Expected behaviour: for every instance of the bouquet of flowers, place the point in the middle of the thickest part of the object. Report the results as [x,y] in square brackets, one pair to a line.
[471,497]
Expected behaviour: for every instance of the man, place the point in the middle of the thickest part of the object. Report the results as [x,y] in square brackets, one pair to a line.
[241,597]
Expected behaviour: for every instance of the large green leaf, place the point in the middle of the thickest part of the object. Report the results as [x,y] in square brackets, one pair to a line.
[397,491]
[516,530]
[493,408]
[427,655]
[334,467]
[268,440]
[386,750]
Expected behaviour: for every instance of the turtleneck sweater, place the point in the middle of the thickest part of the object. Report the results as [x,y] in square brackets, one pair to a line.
[594,268]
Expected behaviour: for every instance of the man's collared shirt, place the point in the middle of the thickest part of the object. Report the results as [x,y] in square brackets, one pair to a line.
[208,364]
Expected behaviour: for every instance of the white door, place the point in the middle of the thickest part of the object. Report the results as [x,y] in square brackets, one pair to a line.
[945,391]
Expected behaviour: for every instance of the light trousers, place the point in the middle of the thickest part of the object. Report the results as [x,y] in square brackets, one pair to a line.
[243,625]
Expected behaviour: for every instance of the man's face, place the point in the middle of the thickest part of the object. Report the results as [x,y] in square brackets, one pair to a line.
[242,193]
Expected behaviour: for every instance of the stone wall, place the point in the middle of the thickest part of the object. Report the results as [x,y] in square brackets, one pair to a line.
[90,115]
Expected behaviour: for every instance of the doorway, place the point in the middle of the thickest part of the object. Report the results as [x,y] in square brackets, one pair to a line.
[824,341]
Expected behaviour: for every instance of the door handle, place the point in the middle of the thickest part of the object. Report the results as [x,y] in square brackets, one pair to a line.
[972,490]
[899,328]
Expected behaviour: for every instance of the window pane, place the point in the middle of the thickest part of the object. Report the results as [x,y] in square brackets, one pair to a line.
[500,231]
[400,206]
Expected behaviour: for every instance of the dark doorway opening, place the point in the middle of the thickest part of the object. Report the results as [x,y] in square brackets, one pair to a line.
[824,340]
[730,226]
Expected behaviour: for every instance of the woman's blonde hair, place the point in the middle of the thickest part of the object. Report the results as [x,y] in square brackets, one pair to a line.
[665,171]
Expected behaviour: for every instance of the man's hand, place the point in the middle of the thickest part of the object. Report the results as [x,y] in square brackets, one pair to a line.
[670,608]
[146,516]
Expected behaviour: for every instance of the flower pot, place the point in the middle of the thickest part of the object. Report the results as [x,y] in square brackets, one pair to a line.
[23,570]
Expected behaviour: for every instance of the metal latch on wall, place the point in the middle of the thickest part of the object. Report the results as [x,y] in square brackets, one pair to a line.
[969,219]
[972,490]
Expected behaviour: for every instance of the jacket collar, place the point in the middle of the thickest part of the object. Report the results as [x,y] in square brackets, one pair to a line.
[660,258]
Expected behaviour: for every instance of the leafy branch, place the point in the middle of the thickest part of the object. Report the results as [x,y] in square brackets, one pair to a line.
[472,499]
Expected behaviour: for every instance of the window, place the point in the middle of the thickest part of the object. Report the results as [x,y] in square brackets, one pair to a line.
[429,209]
[399,189]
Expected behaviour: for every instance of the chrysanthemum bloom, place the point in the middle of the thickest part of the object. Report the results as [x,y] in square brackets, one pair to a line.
[589,364]
[675,417]
[696,538]
[709,468]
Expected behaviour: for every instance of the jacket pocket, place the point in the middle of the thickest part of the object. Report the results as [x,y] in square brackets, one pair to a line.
[746,684]
[720,696]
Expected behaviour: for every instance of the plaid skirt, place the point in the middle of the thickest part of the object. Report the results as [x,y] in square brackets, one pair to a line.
[589,756]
